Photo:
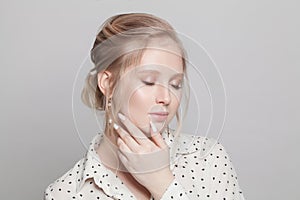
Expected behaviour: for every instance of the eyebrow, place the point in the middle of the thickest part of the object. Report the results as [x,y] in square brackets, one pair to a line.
[156,72]
[146,71]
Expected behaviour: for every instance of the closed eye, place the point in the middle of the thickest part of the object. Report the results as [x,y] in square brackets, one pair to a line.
[177,87]
[148,83]
[176,84]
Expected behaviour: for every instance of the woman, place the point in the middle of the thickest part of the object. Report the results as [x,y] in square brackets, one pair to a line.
[138,81]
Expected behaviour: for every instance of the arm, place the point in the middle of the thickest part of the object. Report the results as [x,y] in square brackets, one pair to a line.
[175,191]
[224,178]
[47,194]
[213,177]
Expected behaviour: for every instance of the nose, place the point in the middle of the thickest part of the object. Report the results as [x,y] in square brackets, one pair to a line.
[163,95]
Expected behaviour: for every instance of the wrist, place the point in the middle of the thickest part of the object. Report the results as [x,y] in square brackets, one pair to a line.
[158,192]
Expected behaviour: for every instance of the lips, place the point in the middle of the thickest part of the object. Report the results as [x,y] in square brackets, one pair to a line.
[159,116]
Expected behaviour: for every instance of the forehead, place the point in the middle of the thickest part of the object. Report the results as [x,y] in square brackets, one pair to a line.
[171,59]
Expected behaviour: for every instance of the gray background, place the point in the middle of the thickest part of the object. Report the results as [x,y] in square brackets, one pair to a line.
[255,45]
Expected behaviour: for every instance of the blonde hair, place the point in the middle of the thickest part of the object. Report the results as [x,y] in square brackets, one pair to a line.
[134,27]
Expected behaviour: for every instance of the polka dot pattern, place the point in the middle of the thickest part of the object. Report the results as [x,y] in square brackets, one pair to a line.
[200,165]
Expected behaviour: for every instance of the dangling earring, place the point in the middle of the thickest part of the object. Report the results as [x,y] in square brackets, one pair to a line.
[108,109]
[108,115]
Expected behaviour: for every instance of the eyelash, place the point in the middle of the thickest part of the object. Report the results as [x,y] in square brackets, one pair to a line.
[148,83]
[177,87]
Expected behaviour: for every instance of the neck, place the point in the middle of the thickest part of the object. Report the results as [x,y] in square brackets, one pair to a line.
[108,152]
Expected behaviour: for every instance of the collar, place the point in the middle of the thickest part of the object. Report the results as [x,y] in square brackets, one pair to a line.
[92,167]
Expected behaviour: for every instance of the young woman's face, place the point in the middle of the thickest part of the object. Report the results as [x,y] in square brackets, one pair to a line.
[152,90]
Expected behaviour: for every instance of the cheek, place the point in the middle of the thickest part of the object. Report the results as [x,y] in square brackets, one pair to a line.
[140,101]
[175,97]
[173,107]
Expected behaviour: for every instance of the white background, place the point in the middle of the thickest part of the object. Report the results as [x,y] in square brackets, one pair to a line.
[255,45]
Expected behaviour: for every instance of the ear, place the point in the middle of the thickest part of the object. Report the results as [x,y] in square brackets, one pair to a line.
[104,79]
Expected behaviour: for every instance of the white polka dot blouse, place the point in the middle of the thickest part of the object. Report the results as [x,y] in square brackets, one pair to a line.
[200,165]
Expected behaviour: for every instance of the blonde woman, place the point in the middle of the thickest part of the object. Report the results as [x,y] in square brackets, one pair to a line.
[138,81]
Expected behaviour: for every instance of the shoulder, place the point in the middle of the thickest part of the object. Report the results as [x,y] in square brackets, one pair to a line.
[195,143]
[64,187]
[207,150]
[207,159]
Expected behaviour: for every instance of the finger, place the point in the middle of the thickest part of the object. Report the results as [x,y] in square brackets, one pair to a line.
[122,145]
[123,158]
[125,162]
[127,139]
[156,136]
[138,135]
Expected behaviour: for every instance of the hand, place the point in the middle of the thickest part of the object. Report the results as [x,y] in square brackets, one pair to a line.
[147,160]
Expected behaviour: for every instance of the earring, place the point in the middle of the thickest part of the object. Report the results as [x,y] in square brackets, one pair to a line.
[108,109]
[109,102]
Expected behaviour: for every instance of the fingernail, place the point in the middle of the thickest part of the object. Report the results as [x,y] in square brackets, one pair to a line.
[122,117]
[116,126]
[154,129]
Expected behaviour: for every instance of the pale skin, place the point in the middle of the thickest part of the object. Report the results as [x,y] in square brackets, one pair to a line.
[141,139]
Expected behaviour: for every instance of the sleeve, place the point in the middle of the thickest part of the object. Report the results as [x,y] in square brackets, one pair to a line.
[47,194]
[223,176]
[53,190]
[51,193]
[175,191]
